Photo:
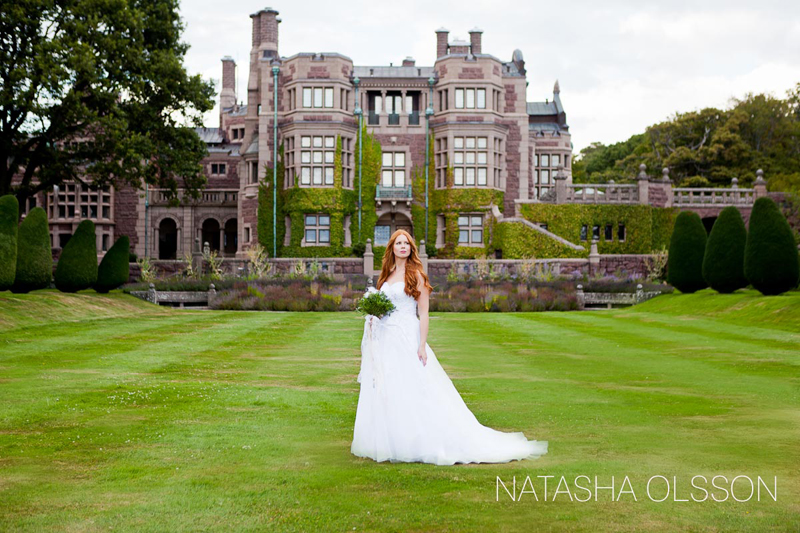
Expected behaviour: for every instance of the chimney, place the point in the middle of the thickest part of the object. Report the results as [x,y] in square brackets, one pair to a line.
[409,62]
[441,42]
[265,32]
[227,97]
[475,40]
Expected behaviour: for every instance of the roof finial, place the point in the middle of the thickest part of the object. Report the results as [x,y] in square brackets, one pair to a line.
[556,88]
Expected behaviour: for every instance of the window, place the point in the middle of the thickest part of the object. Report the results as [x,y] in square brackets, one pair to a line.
[393,173]
[544,172]
[254,172]
[584,231]
[621,232]
[316,159]
[105,242]
[470,158]
[596,232]
[218,169]
[609,232]
[317,96]
[247,234]
[237,134]
[470,98]
[470,230]
[317,229]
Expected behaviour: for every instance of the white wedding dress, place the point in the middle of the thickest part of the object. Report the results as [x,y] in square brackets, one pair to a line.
[410,412]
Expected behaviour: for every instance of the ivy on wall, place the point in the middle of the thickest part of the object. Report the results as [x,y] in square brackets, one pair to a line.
[646,228]
[519,241]
[450,202]
[337,202]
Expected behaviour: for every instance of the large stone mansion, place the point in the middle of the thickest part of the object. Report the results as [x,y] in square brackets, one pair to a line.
[481,122]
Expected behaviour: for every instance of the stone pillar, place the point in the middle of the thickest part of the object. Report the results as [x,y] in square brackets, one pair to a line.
[581,297]
[151,294]
[643,181]
[561,186]
[212,294]
[735,188]
[594,259]
[369,267]
[760,186]
[423,256]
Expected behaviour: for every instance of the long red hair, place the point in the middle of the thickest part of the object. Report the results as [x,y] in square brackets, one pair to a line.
[413,265]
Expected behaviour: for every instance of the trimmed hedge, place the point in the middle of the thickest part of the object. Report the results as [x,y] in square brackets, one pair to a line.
[34,256]
[686,251]
[114,269]
[9,219]
[77,267]
[723,262]
[770,256]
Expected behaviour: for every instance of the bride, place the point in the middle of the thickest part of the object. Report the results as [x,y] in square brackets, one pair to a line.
[408,409]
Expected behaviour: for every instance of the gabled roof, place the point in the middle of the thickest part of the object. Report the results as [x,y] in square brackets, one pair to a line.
[542,108]
[210,135]
[253,148]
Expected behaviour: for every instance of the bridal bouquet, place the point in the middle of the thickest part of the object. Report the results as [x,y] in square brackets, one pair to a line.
[375,303]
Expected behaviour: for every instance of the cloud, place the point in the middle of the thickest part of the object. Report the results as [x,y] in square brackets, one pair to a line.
[622,65]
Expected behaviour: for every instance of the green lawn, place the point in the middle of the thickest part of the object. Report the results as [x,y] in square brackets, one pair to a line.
[118,415]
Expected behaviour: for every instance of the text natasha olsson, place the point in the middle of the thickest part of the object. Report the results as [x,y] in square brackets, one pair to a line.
[657,488]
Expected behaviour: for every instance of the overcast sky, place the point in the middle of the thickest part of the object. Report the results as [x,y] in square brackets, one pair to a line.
[622,65]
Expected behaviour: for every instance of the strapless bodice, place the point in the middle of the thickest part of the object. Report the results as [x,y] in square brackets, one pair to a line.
[405,304]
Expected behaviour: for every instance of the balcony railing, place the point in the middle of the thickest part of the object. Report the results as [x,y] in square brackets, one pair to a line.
[712,196]
[209,197]
[394,119]
[602,193]
[413,118]
[373,118]
[393,193]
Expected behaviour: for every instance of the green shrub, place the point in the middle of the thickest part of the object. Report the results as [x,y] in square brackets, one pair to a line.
[77,268]
[34,256]
[114,269]
[723,263]
[686,250]
[770,255]
[9,219]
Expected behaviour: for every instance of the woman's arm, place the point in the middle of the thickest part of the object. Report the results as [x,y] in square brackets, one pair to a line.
[422,306]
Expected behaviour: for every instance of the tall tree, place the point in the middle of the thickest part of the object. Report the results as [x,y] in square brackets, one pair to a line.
[96,91]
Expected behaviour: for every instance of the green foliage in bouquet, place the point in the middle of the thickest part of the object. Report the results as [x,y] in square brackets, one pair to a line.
[375,303]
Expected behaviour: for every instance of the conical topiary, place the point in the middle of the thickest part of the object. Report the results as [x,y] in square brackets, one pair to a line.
[723,263]
[770,255]
[686,250]
[77,268]
[9,220]
[114,269]
[34,256]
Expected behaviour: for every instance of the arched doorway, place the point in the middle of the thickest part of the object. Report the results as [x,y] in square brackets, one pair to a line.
[387,224]
[167,239]
[210,234]
[231,237]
